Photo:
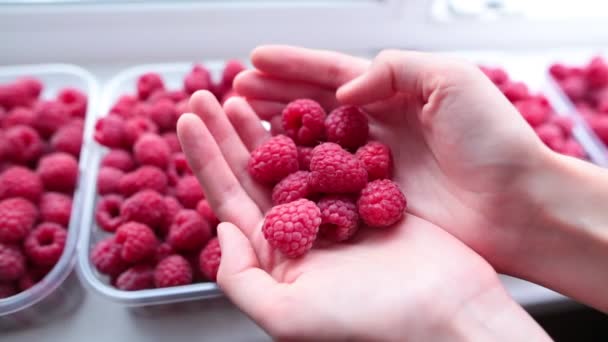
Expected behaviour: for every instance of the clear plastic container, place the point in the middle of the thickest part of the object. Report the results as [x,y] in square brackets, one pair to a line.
[59,292]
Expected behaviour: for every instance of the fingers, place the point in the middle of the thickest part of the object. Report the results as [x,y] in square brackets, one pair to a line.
[266,110]
[246,123]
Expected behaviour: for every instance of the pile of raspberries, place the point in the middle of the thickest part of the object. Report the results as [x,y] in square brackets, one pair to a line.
[162,226]
[587,88]
[554,130]
[40,143]
[329,180]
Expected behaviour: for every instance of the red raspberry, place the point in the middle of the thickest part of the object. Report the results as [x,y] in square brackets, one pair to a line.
[123,107]
[138,241]
[32,276]
[204,209]
[136,127]
[496,75]
[50,116]
[596,72]
[148,83]
[515,91]
[381,203]
[108,180]
[12,263]
[58,172]
[559,71]
[347,126]
[138,277]
[566,124]
[33,86]
[172,141]
[119,159]
[14,95]
[18,181]
[304,155]
[197,79]
[162,251]
[7,289]
[146,177]
[23,144]
[227,95]
[19,116]
[189,232]
[548,133]
[68,139]
[573,148]
[599,125]
[147,207]
[107,213]
[304,121]
[151,149]
[56,207]
[575,87]
[74,101]
[173,208]
[334,170]
[182,107]
[291,188]
[377,160]
[106,256]
[110,131]
[44,245]
[232,68]
[209,259]
[178,168]
[534,112]
[164,115]
[339,217]
[173,270]
[292,227]
[17,216]
[189,192]
[274,160]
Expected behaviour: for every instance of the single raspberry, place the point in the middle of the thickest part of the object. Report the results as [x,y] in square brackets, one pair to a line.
[496,75]
[573,148]
[68,139]
[108,180]
[50,116]
[189,192]
[334,170]
[209,259]
[534,112]
[17,216]
[304,155]
[292,227]
[147,207]
[151,149]
[227,95]
[106,256]
[119,159]
[136,127]
[33,86]
[377,160]
[32,276]
[274,160]
[18,181]
[596,72]
[172,141]
[381,203]
[110,131]
[197,79]
[19,116]
[565,123]
[178,168]
[204,209]
[14,95]
[138,277]
[107,213]
[515,91]
[599,125]
[304,121]
[163,114]
[339,217]
[173,270]
[138,241]
[291,188]
[74,101]
[12,262]
[23,144]
[145,177]
[347,126]
[162,251]
[58,172]
[193,260]
[173,208]
[56,207]
[549,132]
[183,107]
[559,71]
[574,87]
[189,232]
[231,69]
[148,83]
[44,245]
[172,95]
[123,107]
[7,289]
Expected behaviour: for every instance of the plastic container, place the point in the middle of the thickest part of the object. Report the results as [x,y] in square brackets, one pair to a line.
[59,292]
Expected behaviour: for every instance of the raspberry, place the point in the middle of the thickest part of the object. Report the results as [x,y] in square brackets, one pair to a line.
[106,256]
[18,181]
[58,172]
[276,126]
[182,107]
[173,207]
[145,177]
[23,144]
[12,262]
[596,72]
[68,139]
[334,170]
[17,216]
[292,227]
[534,112]
[148,83]
[32,86]
[563,122]
[119,159]
[7,290]
[50,116]
[573,148]
[56,207]
[107,213]
[291,188]
[209,259]
[138,241]
[496,75]
[14,95]
[347,126]
[339,217]
[172,141]
[189,192]
[515,91]
[19,116]
[136,127]
[599,125]
[178,168]
[549,133]
[304,155]
[32,276]
[189,232]
[204,209]
[377,160]
[163,114]
[151,149]
[274,160]
[304,121]
[124,106]
[162,251]
[232,68]
[559,71]
[74,101]
[138,277]
[147,207]
[173,270]
[44,245]
[197,79]
[574,87]
[108,180]
[381,203]
[110,131]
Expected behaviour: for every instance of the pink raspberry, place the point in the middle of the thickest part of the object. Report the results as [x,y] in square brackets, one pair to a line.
[148,83]
[574,87]
[515,91]
[559,71]
[23,144]
[123,106]
[147,207]
[573,149]
[173,208]
[74,101]
[12,263]
[292,227]
[106,256]
[110,131]
[596,72]
[304,155]
[68,139]
[334,170]
[209,259]
[189,192]
[138,241]
[151,149]
[32,86]
[183,107]
[204,209]
[58,172]
[274,160]
[17,216]
[7,289]
[44,245]
[549,133]
[496,75]
[145,177]
[32,276]
[138,277]
[189,232]
[18,181]
[304,121]
[172,141]
[197,79]
[19,116]
[347,126]
[377,160]
[136,127]
[381,203]
[339,217]
[291,188]
[566,124]
[108,180]
[14,95]
[535,113]
[50,116]
[164,115]
[107,213]
[162,251]
[55,207]
[232,68]
[178,168]
[173,270]
[119,159]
